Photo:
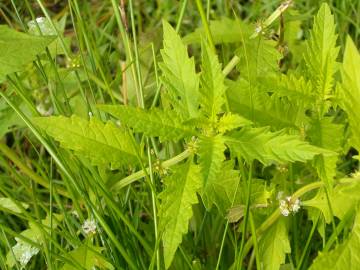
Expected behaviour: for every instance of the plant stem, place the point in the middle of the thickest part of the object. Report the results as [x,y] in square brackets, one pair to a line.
[205,23]
[140,174]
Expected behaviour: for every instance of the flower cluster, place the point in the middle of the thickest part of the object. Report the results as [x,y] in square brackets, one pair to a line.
[89,227]
[288,206]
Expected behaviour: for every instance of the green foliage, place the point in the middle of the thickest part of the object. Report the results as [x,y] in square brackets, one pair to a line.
[212,84]
[343,198]
[176,202]
[88,257]
[19,49]
[259,57]
[350,90]
[274,245]
[179,76]
[264,110]
[344,256]
[241,128]
[321,53]
[224,30]
[9,204]
[267,147]
[101,143]
[211,153]
[166,125]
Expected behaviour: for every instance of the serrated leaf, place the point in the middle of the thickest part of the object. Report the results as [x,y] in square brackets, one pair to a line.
[324,133]
[101,143]
[321,52]
[19,49]
[179,75]
[259,198]
[226,186]
[350,74]
[259,57]
[89,258]
[222,31]
[230,121]
[295,88]
[267,147]
[263,109]
[176,206]
[344,256]
[274,245]
[342,198]
[211,152]
[166,125]
[212,84]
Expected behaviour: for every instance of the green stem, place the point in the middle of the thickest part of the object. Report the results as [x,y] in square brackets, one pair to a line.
[305,251]
[205,23]
[140,174]
[181,16]
[229,67]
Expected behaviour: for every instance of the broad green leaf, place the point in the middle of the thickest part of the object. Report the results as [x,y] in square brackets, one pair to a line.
[212,84]
[222,31]
[295,88]
[179,75]
[321,53]
[263,109]
[9,204]
[225,186]
[19,49]
[211,152]
[101,143]
[342,198]
[274,245]
[165,124]
[344,256]
[259,198]
[350,74]
[259,57]
[267,147]
[176,206]
[324,133]
[46,29]
[88,257]
[230,121]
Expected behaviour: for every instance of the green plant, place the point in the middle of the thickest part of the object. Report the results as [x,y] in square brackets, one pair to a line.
[193,165]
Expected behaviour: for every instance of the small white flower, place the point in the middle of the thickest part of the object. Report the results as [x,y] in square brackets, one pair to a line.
[75,213]
[43,111]
[285,212]
[258,29]
[296,206]
[40,19]
[288,206]
[89,226]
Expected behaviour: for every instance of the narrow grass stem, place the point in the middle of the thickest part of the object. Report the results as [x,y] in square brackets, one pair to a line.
[27,171]
[205,24]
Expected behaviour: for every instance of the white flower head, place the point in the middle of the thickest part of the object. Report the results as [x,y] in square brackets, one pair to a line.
[288,206]
[89,227]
